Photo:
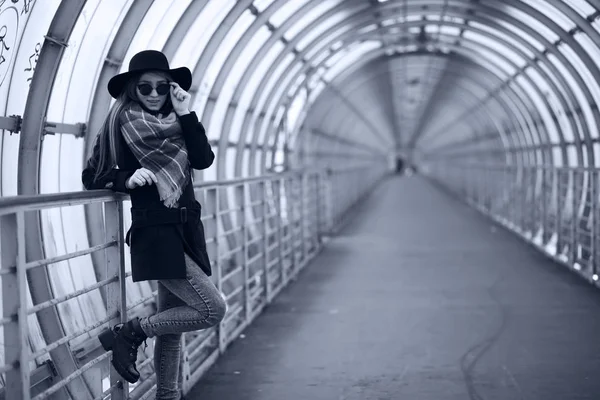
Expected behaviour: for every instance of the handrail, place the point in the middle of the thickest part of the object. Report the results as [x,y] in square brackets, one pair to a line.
[11,204]
[276,224]
[554,208]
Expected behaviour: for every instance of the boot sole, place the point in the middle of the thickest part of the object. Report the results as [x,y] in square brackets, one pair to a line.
[107,339]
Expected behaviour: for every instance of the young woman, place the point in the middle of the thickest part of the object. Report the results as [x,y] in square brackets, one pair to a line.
[155,141]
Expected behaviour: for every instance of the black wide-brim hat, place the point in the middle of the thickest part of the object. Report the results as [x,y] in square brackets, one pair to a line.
[149,60]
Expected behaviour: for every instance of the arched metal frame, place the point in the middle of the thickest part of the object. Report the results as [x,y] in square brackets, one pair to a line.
[449,13]
[454,72]
[262,120]
[558,76]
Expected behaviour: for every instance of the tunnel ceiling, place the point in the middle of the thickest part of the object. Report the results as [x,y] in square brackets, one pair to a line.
[290,84]
[282,84]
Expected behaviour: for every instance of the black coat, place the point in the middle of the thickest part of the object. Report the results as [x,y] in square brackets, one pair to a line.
[159,236]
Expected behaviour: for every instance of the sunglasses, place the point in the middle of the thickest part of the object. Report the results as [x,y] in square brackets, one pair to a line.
[146,88]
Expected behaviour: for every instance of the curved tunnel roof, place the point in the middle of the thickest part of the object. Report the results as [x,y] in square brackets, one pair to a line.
[516,78]
[287,84]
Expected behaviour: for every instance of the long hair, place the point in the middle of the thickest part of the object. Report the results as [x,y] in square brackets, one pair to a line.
[108,138]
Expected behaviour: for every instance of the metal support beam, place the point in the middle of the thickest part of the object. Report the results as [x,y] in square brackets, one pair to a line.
[52,128]
[28,180]
[12,123]
[99,108]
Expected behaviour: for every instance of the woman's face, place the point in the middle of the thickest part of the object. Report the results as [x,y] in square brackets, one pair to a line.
[152,90]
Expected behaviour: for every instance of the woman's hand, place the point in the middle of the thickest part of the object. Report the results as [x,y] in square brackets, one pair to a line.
[180,99]
[141,177]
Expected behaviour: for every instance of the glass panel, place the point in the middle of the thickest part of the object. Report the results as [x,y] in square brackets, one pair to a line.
[276,125]
[572,159]
[316,91]
[581,6]
[238,131]
[69,103]
[450,30]
[230,162]
[246,163]
[327,39]
[277,83]
[258,162]
[150,25]
[295,109]
[350,58]
[490,60]
[153,25]
[246,56]
[217,60]
[518,32]
[500,47]
[299,80]
[366,29]
[261,5]
[20,45]
[557,157]
[531,22]
[589,82]
[502,35]
[541,109]
[74,84]
[210,174]
[554,103]
[555,15]
[594,52]
[320,57]
[197,37]
[597,154]
[285,12]
[322,7]
[454,19]
[233,78]
[570,81]
[322,27]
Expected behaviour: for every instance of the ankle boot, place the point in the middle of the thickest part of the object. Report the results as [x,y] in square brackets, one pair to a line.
[124,340]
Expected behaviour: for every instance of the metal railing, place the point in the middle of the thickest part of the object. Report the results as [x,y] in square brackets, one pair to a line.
[260,233]
[553,208]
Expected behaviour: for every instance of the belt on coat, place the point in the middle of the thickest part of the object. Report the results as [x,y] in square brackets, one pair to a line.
[144,217]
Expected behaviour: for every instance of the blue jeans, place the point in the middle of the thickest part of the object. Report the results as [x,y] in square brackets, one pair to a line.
[184,305]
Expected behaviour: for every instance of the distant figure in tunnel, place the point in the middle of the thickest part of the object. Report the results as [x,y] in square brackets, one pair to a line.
[155,141]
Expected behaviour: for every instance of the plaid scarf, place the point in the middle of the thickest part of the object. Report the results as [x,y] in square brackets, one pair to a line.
[157,143]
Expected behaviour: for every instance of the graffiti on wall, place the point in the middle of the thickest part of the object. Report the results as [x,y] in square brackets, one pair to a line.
[25,4]
[33,61]
[11,12]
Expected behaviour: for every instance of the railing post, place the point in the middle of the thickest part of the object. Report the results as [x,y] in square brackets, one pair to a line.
[575,217]
[296,219]
[265,242]
[523,203]
[304,218]
[544,200]
[559,210]
[14,305]
[115,291]
[289,203]
[318,211]
[328,202]
[213,204]
[243,191]
[593,217]
[280,234]
[577,188]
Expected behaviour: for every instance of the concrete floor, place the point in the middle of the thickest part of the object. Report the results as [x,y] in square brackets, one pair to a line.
[419,298]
